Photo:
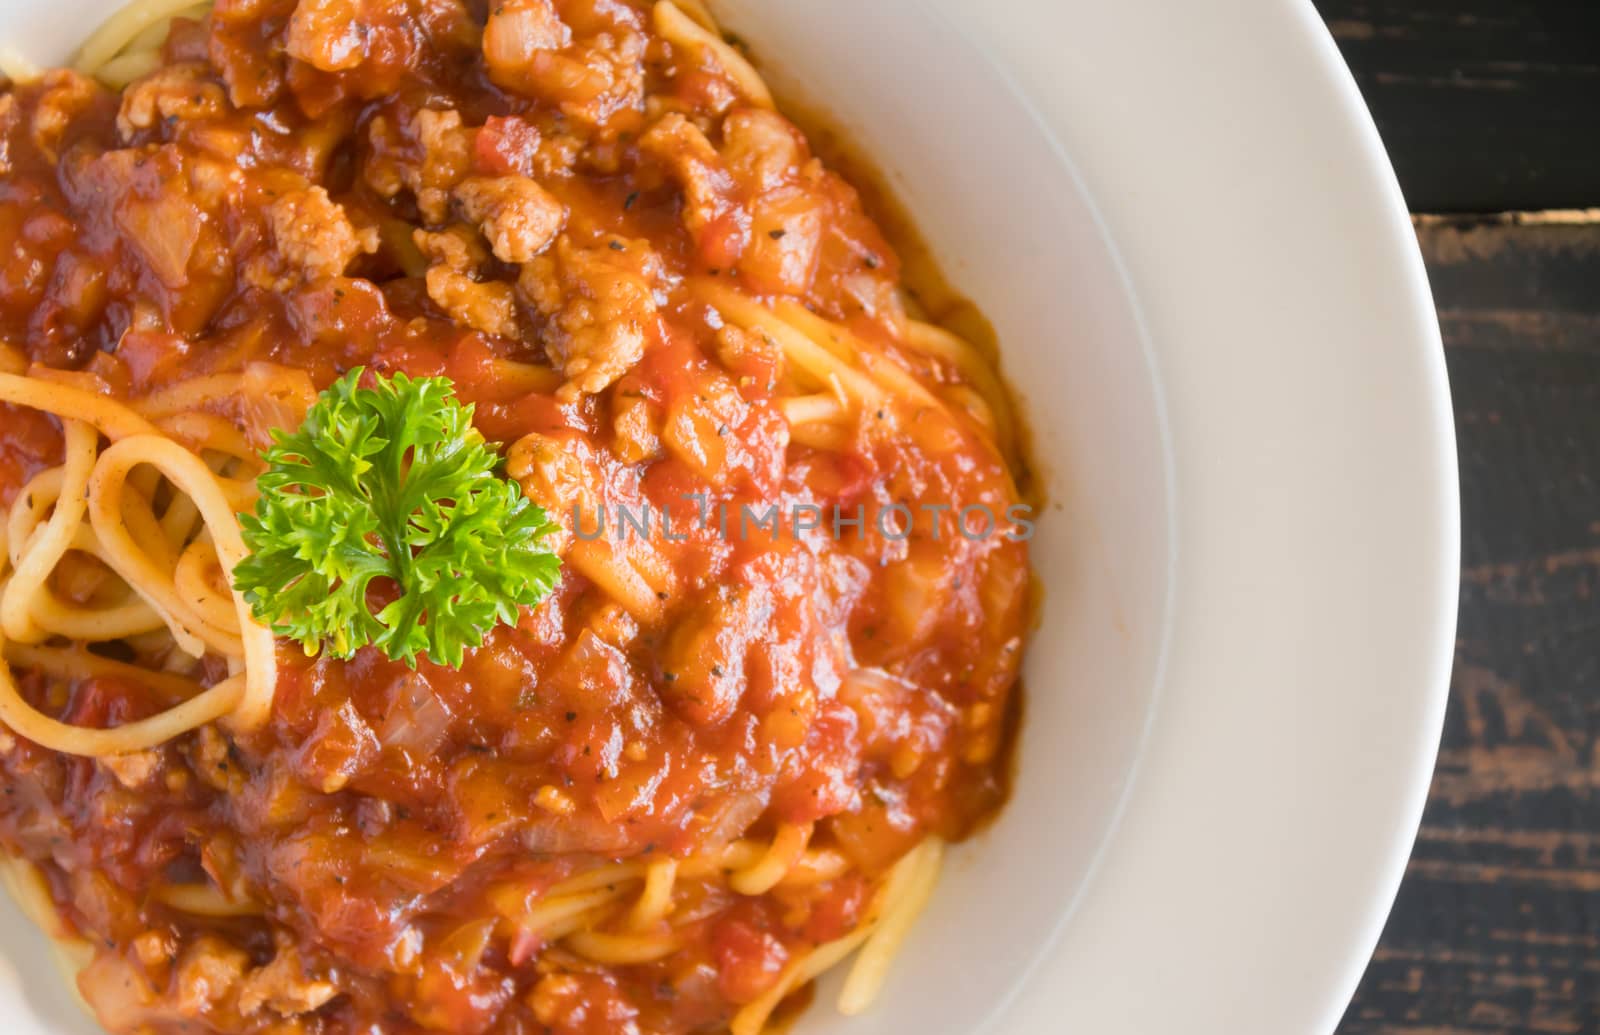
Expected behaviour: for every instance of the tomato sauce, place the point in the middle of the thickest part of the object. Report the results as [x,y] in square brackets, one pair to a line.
[258,200]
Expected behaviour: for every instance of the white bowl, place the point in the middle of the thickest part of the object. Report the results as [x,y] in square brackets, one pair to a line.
[1182,223]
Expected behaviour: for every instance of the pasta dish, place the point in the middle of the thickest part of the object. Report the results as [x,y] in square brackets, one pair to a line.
[491,540]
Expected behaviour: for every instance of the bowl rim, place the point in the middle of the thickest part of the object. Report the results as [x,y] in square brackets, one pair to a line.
[1278,49]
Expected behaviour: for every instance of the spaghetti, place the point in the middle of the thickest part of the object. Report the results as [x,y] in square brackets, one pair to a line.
[722,759]
[91,512]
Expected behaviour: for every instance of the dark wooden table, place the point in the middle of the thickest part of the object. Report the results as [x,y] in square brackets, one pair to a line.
[1491,111]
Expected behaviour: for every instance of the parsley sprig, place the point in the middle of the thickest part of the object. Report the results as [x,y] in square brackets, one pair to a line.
[387,492]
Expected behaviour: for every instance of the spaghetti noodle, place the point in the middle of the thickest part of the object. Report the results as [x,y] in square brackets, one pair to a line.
[720,760]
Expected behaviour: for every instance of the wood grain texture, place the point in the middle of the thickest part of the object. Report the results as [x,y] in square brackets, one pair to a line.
[1484,105]
[1497,927]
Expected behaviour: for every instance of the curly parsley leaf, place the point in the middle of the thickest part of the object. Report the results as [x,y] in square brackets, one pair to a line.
[388,493]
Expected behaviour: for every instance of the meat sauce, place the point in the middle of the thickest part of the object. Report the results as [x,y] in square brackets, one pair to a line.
[518,199]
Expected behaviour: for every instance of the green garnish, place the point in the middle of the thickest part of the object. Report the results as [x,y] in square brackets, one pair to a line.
[389,488]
